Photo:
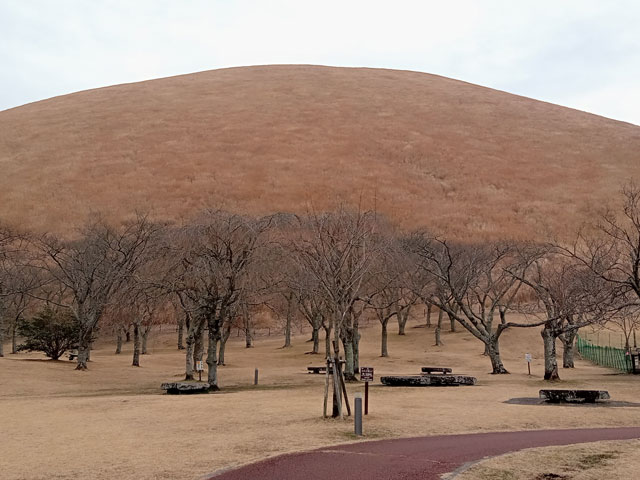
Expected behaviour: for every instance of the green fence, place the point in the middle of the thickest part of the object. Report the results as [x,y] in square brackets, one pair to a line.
[606,356]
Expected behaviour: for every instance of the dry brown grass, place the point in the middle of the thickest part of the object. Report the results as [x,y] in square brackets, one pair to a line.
[426,149]
[113,421]
[589,461]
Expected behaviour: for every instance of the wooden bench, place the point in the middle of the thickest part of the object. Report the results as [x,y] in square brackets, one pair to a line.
[322,369]
[430,370]
[574,396]
[316,369]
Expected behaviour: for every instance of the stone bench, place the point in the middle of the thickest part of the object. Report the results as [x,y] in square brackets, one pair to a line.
[574,396]
[430,370]
[177,388]
[426,380]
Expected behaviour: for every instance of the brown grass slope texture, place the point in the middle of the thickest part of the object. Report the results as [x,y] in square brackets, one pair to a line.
[426,150]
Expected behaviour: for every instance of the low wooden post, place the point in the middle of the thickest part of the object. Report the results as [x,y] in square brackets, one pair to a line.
[337,392]
[357,420]
[344,391]
[326,388]
[255,377]
[366,398]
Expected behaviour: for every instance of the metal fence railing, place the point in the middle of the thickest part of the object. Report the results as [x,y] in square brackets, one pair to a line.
[606,356]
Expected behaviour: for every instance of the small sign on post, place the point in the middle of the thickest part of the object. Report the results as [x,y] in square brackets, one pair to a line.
[199,369]
[366,375]
[527,357]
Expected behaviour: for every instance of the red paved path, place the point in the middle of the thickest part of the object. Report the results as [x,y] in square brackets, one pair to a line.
[421,458]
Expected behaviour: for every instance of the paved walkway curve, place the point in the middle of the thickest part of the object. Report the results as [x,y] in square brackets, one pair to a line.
[420,458]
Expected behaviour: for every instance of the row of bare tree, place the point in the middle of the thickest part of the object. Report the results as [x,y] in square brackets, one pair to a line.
[221,270]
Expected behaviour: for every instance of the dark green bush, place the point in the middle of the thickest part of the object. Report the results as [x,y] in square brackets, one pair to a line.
[50,331]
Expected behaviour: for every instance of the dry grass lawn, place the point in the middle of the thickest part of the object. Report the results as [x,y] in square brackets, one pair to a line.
[114,422]
[426,150]
[588,461]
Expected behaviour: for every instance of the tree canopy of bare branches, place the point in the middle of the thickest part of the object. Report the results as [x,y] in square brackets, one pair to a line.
[92,268]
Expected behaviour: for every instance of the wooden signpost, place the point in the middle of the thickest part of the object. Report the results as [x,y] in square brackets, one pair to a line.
[527,357]
[199,369]
[366,375]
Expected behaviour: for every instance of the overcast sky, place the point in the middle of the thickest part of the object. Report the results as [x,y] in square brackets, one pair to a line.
[583,54]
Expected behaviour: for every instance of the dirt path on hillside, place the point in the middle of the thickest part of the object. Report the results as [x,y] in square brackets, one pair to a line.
[415,458]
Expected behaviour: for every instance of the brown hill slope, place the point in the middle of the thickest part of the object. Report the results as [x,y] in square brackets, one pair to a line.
[427,149]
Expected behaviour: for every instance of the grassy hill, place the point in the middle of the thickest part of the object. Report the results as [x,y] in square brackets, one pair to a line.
[424,149]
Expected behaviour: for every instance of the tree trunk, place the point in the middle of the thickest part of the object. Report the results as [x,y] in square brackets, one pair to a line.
[212,361]
[550,358]
[136,345]
[180,335]
[84,348]
[349,371]
[356,348]
[452,319]
[494,355]
[223,343]
[402,320]
[568,343]
[439,328]
[145,336]
[429,306]
[327,341]
[119,342]
[248,334]
[315,336]
[383,349]
[287,332]
[198,349]
[1,335]
[128,335]
[220,361]
[14,339]
[190,351]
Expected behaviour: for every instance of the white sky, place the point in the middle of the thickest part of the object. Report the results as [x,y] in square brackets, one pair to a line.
[583,54]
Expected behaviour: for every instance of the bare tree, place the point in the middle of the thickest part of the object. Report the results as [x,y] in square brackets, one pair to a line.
[214,275]
[611,248]
[471,284]
[93,268]
[627,320]
[312,305]
[387,292]
[16,281]
[339,249]
[572,298]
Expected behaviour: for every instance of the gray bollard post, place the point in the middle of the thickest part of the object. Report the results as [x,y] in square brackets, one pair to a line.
[255,378]
[358,416]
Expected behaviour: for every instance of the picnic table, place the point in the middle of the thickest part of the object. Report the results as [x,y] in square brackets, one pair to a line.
[430,370]
[73,356]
